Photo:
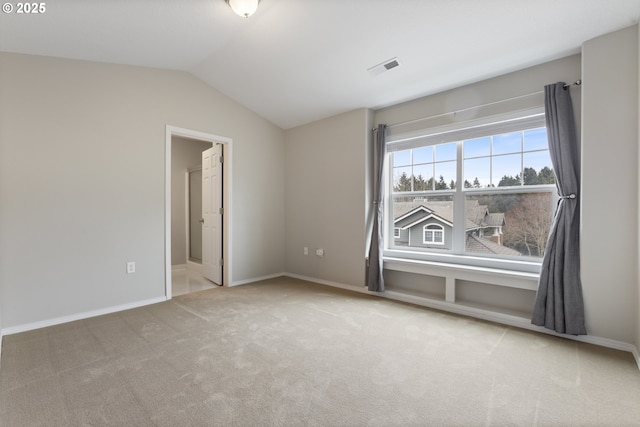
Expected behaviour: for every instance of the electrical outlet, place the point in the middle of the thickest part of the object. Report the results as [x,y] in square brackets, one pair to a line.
[305,250]
[131,267]
[320,252]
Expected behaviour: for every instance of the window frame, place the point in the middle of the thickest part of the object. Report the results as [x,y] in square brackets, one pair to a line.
[488,126]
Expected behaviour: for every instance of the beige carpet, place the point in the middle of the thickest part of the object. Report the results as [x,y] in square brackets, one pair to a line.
[289,353]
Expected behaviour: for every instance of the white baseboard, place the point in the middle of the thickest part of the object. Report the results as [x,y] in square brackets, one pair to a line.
[362,289]
[85,315]
[505,319]
[256,279]
[178,267]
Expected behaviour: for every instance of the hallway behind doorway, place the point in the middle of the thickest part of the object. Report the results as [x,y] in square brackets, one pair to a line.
[187,280]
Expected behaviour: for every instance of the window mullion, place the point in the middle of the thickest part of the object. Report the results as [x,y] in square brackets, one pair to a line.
[413,176]
[522,158]
[388,200]
[458,204]
[491,160]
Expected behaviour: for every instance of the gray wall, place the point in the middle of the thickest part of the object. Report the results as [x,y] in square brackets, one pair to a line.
[610,181]
[512,85]
[185,154]
[82,154]
[195,215]
[0,326]
[325,199]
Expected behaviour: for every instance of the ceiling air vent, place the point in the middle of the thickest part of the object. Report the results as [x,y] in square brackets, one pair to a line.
[385,66]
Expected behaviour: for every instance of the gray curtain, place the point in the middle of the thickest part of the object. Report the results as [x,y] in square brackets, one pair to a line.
[559,305]
[374,278]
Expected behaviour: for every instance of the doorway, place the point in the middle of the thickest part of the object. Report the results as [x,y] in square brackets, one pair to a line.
[183,151]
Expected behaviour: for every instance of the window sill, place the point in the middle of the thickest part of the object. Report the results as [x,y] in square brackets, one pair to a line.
[467,262]
[452,272]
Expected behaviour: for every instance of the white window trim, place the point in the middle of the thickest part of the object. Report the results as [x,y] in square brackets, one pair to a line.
[459,131]
[463,130]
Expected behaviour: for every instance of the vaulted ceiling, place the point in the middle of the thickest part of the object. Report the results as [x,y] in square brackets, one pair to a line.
[296,61]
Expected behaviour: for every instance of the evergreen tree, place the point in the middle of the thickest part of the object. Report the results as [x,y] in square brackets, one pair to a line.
[508,181]
[441,185]
[546,176]
[530,176]
[429,184]
[476,183]
[404,183]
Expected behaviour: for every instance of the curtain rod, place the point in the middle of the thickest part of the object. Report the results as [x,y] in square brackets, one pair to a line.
[576,83]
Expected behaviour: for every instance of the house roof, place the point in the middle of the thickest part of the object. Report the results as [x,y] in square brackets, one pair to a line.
[495,219]
[483,245]
[442,210]
[477,215]
[422,219]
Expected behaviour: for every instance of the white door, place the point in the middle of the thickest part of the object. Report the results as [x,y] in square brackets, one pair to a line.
[212,213]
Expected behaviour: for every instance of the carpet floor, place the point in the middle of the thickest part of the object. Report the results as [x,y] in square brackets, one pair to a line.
[284,352]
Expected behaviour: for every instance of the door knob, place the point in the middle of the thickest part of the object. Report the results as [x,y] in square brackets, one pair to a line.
[202,220]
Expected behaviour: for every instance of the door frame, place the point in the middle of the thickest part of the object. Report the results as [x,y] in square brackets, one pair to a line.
[227,145]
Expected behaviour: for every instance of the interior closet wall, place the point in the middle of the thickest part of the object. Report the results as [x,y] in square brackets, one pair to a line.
[195,213]
[185,154]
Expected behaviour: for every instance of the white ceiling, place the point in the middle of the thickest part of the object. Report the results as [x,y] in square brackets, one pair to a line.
[296,61]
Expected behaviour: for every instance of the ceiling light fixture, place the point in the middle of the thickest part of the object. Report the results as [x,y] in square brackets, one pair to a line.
[244,8]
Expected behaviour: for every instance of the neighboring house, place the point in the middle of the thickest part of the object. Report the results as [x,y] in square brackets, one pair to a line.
[429,224]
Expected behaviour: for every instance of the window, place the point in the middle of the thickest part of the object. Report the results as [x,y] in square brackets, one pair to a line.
[434,234]
[484,192]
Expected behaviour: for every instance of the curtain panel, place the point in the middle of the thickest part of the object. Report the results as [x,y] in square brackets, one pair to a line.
[559,305]
[374,277]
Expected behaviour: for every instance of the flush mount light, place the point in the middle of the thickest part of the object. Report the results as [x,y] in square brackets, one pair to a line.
[244,8]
